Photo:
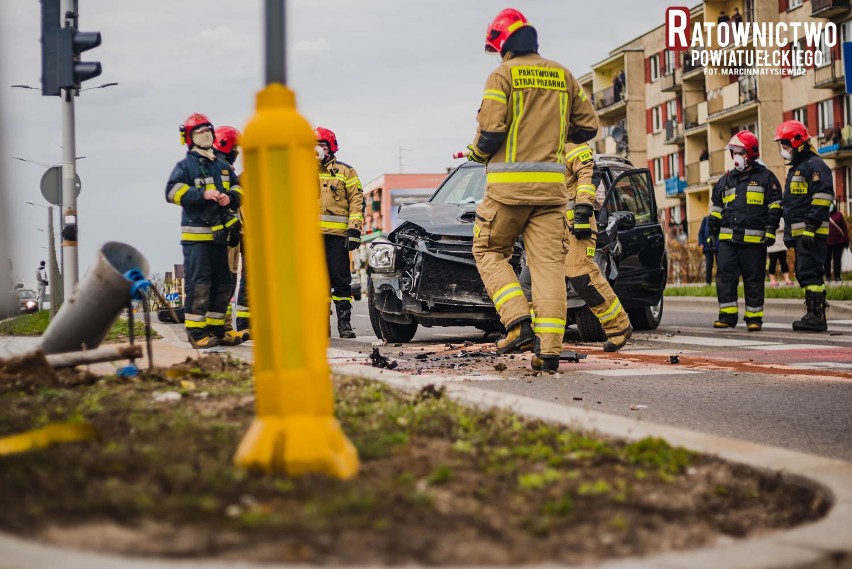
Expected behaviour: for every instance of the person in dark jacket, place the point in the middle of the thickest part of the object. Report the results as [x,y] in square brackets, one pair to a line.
[707,243]
[209,192]
[746,209]
[838,241]
[808,193]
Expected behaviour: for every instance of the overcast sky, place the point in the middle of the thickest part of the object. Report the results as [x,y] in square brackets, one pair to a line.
[380,73]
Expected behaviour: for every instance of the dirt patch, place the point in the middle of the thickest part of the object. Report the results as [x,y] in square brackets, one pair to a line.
[439,483]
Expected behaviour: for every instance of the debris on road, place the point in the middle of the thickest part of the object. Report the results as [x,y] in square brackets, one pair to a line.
[378,360]
[638,407]
[500,366]
[571,356]
[430,392]
[577,398]
[673,359]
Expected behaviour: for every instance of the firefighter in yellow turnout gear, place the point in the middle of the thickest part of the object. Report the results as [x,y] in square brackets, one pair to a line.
[580,267]
[530,109]
[341,220]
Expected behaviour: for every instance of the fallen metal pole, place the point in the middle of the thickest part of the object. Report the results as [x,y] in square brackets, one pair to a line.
[102,354]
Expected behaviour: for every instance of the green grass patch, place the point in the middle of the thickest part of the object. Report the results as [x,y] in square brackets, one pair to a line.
[36,323]
[840,292]
[439,483]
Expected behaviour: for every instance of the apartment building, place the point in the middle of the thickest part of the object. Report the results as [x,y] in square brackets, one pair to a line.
[674,118]
[384,195]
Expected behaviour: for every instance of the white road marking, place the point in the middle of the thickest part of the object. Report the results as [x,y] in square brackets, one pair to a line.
[824,365]
[780,347]
[707,341]
[627,372]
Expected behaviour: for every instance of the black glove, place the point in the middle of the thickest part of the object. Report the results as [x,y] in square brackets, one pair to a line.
[582,221]
[770,237]
[475,156]
[353,239]
[714,224]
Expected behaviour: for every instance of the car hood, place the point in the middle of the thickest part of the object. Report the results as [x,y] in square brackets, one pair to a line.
[454,220]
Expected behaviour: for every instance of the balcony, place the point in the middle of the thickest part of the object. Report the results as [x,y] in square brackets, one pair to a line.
[717,162]
[729,97]
[835,142]
[675,186]
[694,118]
[697,173]
[829,8]
[674,132]
[672,82]
[829,76]
[607,98]
[691,70]
[609,145]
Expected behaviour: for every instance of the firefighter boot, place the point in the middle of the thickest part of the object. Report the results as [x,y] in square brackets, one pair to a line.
[615,343]
[814,318]
[232,338]
[205,342]
[344,319]
[545,363]
[246,333]
[519,338]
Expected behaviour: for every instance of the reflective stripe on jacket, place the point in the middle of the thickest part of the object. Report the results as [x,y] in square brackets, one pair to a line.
[580,164]
[808,193]
[748,204]
[341,198]
[190,178]
[529,109]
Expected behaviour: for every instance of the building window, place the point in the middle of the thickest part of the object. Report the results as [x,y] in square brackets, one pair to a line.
[801,115]
[656,119]
[658,170]
[848,177]
[794,4]
[674,165]
[798,56]
[655,67]
[825,116]
[669,62]
[824,49]
[671,110]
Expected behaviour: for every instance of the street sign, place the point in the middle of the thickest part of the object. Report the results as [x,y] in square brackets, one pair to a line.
[51,185]
[173,296]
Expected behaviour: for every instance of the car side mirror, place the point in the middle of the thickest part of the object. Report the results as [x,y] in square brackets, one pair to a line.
[624,219]
[402,205]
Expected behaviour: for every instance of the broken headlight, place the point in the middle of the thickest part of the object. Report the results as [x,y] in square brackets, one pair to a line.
[382,257]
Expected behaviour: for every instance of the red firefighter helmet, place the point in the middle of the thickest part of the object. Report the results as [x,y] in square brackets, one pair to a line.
[747,141]
[227,137]
[501,27]
[325,135]
[792,133]
[194,121]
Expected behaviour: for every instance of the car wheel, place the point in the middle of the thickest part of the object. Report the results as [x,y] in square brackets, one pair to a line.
[165,316]
[390,331]
[588,325]
[647,317]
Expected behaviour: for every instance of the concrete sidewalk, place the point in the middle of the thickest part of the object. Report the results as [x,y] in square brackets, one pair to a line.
[791,307]
[826,543]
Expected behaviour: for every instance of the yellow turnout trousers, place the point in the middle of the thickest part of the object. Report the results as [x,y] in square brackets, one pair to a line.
[544,230]
[586,278]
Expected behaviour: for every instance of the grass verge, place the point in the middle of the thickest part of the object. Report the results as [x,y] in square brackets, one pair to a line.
[36,323]
[439,483]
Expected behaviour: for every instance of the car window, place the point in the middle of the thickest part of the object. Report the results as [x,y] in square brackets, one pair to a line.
[465,186]
[23,293]
[632,194]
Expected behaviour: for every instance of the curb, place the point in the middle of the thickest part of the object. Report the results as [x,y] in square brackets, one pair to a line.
[837,309]
[826,543]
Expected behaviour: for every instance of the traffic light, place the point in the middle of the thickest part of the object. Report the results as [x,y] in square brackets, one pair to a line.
[60,51]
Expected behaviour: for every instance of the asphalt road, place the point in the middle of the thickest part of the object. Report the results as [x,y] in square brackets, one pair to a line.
[777,387]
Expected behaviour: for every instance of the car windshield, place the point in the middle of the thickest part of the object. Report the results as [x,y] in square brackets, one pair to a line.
[24,294]
[465,186]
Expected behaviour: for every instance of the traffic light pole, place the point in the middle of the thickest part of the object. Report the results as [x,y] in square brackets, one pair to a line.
[69,173]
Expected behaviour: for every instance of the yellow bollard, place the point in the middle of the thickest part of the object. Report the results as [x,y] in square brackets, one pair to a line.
[295,430]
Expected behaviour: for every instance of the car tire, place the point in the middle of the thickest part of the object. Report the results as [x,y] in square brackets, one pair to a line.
[164,315]
[647,317]
[389,331]
[588,325]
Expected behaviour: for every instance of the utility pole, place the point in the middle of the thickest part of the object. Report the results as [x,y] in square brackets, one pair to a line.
[70,266]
